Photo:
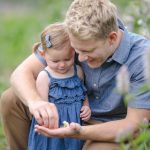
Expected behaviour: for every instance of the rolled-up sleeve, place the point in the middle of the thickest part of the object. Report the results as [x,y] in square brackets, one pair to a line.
[141,96]
[40,58]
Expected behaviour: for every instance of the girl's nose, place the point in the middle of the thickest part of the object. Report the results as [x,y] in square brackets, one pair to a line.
[62,65]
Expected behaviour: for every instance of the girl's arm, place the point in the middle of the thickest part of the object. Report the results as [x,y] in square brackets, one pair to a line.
[42,85]
[86,102]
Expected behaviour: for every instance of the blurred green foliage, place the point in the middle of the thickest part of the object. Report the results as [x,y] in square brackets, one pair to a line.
[22,21]
[20,26]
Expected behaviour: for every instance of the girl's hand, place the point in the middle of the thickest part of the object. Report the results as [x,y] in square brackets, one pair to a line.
[85,113]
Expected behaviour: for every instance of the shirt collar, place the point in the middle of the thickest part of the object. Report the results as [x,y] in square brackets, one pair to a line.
[122,52]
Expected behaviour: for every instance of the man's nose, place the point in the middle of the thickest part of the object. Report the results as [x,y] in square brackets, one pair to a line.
[82,57]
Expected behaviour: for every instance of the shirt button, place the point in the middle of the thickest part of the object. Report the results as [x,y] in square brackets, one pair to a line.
[97,97]
[94,85]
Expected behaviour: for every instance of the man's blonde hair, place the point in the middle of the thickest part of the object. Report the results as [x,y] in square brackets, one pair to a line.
[88,19]
[58,37]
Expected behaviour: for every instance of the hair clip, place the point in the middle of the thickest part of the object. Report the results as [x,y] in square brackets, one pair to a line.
[47,40]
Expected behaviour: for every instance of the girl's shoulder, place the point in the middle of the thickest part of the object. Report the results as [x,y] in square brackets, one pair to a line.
[45,74]
[42,78]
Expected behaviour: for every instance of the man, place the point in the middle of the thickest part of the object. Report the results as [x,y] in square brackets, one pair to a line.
[103,46]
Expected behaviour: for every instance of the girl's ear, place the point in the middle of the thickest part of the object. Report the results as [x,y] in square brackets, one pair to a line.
[42,53]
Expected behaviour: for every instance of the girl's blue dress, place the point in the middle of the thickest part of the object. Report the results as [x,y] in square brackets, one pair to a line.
[68,95]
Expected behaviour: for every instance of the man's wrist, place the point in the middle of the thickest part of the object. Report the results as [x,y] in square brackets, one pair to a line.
[80,134]
[31,102]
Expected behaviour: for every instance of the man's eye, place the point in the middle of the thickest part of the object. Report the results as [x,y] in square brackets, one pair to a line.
[67,59]
[55,61]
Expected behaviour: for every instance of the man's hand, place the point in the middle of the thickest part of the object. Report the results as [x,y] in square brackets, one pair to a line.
[45,113]
[85,113]
[72,130]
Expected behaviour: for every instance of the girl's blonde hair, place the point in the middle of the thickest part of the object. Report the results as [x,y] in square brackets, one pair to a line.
[87,19]
[58,37]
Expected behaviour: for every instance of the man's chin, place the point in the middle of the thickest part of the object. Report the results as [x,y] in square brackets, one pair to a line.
[93,65]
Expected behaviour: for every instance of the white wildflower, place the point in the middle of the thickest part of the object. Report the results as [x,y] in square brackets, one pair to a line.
[123,80]
[65,123]
[140,22]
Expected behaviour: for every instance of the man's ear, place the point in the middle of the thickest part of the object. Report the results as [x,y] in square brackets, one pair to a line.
[112,37]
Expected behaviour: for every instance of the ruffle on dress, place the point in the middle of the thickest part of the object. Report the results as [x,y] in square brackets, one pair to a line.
[67,90]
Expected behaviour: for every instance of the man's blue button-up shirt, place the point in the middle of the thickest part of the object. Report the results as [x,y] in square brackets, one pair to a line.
[105,102]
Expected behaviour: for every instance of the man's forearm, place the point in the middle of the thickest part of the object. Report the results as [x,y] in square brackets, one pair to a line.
[24,77]
[111,131]
[24,87]
[106,131]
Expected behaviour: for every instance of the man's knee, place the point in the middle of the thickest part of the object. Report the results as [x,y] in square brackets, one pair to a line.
[6,101]
[90,145]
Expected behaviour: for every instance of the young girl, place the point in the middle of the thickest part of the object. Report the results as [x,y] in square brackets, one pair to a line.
[61,83]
